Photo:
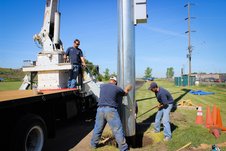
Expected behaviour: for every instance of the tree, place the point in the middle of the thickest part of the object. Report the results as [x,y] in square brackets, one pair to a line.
[147,73]
[100,77]
[114,74]
[170,72]
[106,74]
[94,69]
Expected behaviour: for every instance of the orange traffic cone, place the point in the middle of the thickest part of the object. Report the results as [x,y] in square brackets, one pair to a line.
[219,121]
[214,115]
[209,121]
[199,119]
[223,128]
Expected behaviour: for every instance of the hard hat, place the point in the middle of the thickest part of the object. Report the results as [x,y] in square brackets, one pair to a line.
[113,78]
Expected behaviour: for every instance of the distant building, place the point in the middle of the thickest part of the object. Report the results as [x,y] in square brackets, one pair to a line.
[211,77]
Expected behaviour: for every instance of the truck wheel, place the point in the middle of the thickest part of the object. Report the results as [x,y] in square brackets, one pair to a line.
[29,134]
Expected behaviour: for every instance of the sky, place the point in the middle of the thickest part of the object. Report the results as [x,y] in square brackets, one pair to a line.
[159,44]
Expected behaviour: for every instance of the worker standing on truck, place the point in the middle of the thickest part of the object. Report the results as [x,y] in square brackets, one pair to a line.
[110,97]
[166,102]
[75,56]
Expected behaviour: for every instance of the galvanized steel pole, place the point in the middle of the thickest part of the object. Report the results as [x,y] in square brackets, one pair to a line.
[126,63]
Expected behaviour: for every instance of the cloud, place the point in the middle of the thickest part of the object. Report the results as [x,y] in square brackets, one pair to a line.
[166,32]
[167,60]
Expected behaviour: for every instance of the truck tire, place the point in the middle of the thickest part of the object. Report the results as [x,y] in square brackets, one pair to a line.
[29,134]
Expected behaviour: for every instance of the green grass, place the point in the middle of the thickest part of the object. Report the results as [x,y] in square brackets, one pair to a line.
[185,129]
[11,75]
[183,119]
[9,85]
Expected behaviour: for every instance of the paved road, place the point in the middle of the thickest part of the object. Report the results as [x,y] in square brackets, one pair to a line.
[70,133]
[139,84]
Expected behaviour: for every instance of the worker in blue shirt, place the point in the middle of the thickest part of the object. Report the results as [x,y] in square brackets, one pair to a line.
[74,55]
[166,102]
[110,97]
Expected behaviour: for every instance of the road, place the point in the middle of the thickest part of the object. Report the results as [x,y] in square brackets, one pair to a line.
[70,133]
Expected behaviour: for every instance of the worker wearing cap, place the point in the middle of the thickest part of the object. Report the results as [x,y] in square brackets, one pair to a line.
[110,97]
[165,105]
[75,56]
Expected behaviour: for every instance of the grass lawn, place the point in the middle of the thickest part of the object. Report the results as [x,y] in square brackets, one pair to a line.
[10,85]
[184,129]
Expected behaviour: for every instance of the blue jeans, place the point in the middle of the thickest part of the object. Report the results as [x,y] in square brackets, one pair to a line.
[164,113]
[73,76]
[108,115]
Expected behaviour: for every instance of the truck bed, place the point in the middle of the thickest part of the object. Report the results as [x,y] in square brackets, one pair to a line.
[19,94]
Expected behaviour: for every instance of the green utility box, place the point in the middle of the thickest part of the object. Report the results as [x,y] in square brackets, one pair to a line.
[177,81]
[183,81]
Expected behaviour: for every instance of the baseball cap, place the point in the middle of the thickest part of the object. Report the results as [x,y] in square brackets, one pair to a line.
[113,78]
[153,85]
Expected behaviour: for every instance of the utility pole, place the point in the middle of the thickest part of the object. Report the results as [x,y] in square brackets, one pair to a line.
[130,13]
[189,41]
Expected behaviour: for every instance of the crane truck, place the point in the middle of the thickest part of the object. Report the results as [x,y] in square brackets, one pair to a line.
[28,117]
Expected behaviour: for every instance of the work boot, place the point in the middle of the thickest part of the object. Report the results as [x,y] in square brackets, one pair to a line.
[155,131]
[166,139]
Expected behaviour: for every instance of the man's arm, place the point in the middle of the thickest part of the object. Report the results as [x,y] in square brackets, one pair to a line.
[65,58]
[83,61]
[128,88]
[66,54]
[163,102]
[164,99]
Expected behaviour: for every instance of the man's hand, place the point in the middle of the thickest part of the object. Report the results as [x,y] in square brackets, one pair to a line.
[128,88]
[83,65]
[65,58]
[83,62]
[160,106]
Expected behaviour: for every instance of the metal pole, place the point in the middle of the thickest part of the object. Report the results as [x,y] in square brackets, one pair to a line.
[189,41]
[126,63]
[189,44]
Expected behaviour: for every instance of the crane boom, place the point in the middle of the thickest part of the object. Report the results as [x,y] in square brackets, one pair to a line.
[50,67]
[49,36]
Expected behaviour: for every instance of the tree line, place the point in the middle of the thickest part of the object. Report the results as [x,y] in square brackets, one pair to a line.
[148,73]
[106,74]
